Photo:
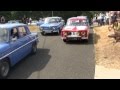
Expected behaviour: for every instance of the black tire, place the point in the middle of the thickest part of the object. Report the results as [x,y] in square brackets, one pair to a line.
[86,40]
[64,40]
[4,68]
[34,48]
[43,33]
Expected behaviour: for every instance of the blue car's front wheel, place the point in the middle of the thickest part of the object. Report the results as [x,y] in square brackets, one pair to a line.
[4,68]
[34,48]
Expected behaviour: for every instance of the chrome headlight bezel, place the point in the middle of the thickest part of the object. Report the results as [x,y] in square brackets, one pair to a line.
[41,28]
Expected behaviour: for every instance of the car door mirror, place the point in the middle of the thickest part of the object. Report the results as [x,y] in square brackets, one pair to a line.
[62,21]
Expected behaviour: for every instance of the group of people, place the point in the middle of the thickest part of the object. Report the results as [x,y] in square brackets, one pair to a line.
[106,18]
[112,19]
[26,20]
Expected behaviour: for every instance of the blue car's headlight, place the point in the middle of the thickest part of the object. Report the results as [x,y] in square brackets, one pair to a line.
[41,28]
[54,28]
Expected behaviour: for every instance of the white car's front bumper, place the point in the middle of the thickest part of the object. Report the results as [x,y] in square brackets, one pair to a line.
[75,38]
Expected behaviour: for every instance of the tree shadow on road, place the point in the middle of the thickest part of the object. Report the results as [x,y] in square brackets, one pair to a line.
[52,34]
[30,64]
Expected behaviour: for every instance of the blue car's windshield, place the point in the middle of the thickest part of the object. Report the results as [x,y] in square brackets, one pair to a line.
[3,35]
[51,20]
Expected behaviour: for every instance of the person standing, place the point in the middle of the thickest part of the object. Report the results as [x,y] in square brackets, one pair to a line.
[30,20]
[2,19]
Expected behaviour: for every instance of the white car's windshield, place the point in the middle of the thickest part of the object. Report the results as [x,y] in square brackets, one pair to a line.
[3,35]
[51,20]
[77,23]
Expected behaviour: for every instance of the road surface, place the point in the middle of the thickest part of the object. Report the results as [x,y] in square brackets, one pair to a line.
[57,60]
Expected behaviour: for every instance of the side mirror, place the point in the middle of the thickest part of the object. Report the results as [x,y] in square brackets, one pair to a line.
[62,20]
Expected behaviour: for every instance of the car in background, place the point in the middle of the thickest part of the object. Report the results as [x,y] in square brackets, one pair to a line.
[16,42]
[52,25]
[14,21]
[34,22]
[40,22]
[77,28]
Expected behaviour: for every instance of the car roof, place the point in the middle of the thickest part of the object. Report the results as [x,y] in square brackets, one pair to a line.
[7,25]
[78,18]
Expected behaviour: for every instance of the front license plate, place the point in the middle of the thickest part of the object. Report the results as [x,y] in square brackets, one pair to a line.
[47,31]
[74,38]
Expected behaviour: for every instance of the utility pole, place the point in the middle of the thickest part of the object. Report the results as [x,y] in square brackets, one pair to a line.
[52,13]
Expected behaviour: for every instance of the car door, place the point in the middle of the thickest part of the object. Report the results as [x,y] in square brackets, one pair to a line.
[15,46]
[25,40]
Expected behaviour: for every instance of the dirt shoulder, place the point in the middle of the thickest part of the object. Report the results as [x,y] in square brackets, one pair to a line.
[34,28]
[107,54]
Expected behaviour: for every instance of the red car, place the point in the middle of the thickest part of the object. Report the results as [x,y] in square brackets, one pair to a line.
[77,28]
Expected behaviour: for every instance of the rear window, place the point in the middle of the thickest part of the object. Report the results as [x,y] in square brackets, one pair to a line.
[22,31]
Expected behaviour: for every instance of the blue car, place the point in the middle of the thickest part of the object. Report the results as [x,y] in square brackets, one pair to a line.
[40,23]
[52,25]
[13,21]
[16,42]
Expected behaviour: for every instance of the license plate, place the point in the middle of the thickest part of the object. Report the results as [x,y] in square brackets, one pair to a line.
[55,31]
[73,38]
[47,31]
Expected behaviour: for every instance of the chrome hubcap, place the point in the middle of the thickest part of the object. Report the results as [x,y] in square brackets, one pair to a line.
[4,69]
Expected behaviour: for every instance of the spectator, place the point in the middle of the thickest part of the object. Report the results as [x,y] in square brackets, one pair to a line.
[107,18]
[2,19]
[27,20]
[30,20]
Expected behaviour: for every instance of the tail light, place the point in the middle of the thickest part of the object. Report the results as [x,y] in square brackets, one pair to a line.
[65,33]
[83,33]
[77,33]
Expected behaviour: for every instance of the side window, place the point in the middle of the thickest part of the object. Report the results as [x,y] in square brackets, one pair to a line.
[22,31]
[14,34]
[60,19]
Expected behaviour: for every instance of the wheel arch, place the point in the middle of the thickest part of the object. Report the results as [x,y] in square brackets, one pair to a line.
[8,60]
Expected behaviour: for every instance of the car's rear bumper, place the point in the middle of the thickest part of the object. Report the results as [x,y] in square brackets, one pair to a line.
[75,38]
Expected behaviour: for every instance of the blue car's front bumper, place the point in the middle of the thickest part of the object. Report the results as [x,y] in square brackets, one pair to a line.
[50,30]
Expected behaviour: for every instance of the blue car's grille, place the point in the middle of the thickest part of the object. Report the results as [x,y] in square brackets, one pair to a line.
[46,28]
[51,28]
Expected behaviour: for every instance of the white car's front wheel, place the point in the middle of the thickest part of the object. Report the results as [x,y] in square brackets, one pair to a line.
[64,40]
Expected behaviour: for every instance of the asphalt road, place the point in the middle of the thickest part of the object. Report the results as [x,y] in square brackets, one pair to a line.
[57,60]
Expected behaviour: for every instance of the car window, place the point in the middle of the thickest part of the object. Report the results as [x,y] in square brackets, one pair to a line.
[14,34]
[22,31]
[3,35]
[77,23]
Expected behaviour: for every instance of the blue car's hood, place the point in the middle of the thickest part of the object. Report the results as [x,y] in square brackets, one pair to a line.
[40,22]
[4,47]
[49,24]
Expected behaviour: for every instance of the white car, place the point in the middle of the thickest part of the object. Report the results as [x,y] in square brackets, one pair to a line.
[77,28]
[33,22]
